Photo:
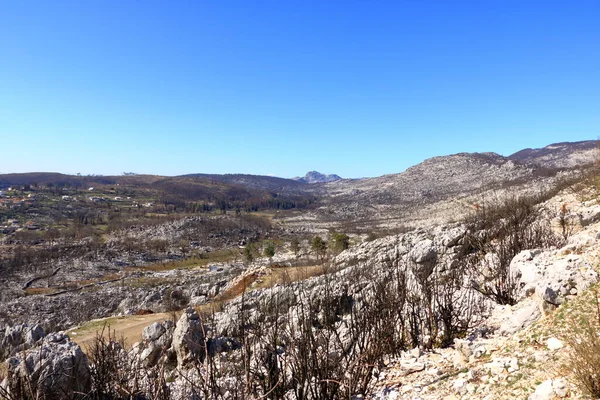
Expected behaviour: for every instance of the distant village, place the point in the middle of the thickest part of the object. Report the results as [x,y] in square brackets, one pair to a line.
[18,198]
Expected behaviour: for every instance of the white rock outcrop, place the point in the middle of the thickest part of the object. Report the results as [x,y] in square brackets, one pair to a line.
[57,366]
[551,275]
[188,338]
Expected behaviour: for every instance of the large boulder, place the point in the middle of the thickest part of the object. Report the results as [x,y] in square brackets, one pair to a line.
[158,338]
[58,366]
[550,389]
[507,320]
[150,355]
[154,331]
[34,335]
[189,339]
[423,252]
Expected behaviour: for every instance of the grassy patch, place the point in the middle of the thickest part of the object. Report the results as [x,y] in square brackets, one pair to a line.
[283,275]
[147,282]
[218,256]
[74,284]
[236,290]
[96,325]
[39,291]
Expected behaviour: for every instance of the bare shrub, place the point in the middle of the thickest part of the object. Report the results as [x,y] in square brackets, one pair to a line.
[500,231]
[584,360]
[566,222]
[175,300]
[116,375]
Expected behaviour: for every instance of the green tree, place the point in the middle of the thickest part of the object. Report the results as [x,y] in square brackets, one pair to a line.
[339,242]
[295,246]
[249,252]
[269,251]
[319,246]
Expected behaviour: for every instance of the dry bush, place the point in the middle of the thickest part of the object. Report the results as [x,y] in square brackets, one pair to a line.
[504,228]
[106,357]
[566,222]
[584,360]
[116,375]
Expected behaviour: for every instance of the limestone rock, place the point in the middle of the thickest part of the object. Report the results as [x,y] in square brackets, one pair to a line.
[411,366]
[560,387]
[20,337]
[554,344]
[589,215]
[544,391]
[33,335]
[188,338]
[515,318]
[460,385]
[57,366]
[154,331]
[423,251]
[150,355]
[550,275]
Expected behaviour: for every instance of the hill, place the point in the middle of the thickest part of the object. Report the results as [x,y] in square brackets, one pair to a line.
[560,155]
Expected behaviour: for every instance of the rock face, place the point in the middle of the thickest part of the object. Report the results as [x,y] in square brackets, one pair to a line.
[552,276]
[188,338]
[58,366]
[517,317]
[19,337]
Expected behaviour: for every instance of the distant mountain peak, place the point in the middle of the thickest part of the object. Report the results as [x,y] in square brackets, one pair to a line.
[317,177]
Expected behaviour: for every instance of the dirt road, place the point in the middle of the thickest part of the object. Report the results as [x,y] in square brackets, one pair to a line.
[127,327]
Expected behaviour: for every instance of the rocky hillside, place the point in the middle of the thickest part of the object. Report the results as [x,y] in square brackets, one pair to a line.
[472,308]
[259,182]
[426,314]
[436,179]
[442,189]
[438,190]
[523,351]
[560,155]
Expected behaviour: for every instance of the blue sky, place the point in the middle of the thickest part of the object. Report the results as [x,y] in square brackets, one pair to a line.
[357,88]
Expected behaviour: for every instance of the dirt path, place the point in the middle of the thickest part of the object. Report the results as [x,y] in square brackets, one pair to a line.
[128,327]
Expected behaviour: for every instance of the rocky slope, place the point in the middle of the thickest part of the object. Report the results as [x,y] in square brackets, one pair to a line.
[560,155]
[443,189]
[438,190]
[520,351]
[502,352]
[409,315]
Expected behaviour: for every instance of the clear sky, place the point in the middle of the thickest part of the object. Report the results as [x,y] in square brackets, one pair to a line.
[357,88]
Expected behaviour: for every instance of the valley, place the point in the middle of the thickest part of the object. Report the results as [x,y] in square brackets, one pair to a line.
[447,280]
